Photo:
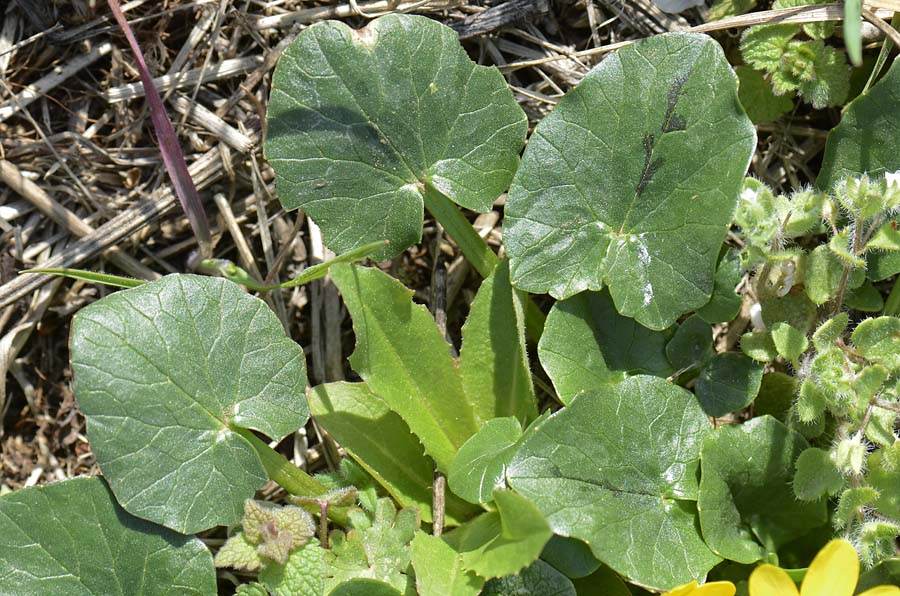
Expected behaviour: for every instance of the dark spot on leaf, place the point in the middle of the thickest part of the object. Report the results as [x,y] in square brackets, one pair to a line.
[650,164]
[673,121]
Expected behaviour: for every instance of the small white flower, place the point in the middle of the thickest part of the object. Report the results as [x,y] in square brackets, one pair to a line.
[892,178]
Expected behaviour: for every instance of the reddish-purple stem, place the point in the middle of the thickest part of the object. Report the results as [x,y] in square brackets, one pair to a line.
[173,158]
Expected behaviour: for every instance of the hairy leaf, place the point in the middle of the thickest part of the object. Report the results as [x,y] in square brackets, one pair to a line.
[302,574]
[162,371]
[72,539]
[627,184]
[361,122]
[617,468]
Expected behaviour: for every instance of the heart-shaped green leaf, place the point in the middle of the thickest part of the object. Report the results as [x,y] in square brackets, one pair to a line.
[586,345]
[162,372]
[866,139]
[728,383]
[747,506]
[72,539]
[632,181]
[404,360]
[618,469]
[363,123]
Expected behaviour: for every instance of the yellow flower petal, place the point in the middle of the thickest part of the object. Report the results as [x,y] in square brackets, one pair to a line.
[716,589]
[684,590]
[833,572]
[768,580]
[882,591]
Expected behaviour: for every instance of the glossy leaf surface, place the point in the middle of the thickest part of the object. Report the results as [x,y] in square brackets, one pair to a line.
[162,371]
[480,465]
[617,469]
[728,383]
[586,345]
[632,181]
[360,121]
[72,539]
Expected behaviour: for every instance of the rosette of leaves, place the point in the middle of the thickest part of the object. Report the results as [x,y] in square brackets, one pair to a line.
[796,59]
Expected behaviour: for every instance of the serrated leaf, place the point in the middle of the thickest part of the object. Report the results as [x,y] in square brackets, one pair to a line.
[361,123]
[865,140]
[365,587]
[758,99]
[692,344]
[586,345]
[878,340]
[764,47]
[493,361]
[240,553]
[747,507]
[503,542]
[573,558]
[376,548]
[728,383]
[162,371]
[625,184]
[816,475]
[303,574]
[815,30]
[617,468]
[480,464]
[725,303]
[538,579]
[439,569]
[403,358]
[381,442]
[831,83]
[71,538]
[251,589]
[790,342]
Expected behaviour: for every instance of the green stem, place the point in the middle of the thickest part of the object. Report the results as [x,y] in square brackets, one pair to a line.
[476,250]
[281,471]
[473,246]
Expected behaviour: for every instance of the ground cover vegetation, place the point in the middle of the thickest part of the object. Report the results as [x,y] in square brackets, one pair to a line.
[673,377]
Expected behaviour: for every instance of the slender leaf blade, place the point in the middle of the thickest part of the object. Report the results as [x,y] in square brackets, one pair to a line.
[493,361]
[72,539]
[360,122]
[628,183]
[403,358]
[162,371]
[381,442]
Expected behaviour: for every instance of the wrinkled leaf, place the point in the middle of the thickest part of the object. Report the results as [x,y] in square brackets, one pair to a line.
[617,469]
[728,383]
[816,475]
[866,139]
[404,360]
[72,539]
[628,184]
[302,575]
[586,345]
[439,569]
[161,372]
[747,506]
[493,361]
[382,444]
[502,542]
[364,587]
[480,464]
[361,122]
[538,579]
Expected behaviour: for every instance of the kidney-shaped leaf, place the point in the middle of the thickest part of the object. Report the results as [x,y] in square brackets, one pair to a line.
[618,470]
[747,506]
[586,344]
[632,181]
[72,539]
[360,122]
[162,371]
[480,464]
